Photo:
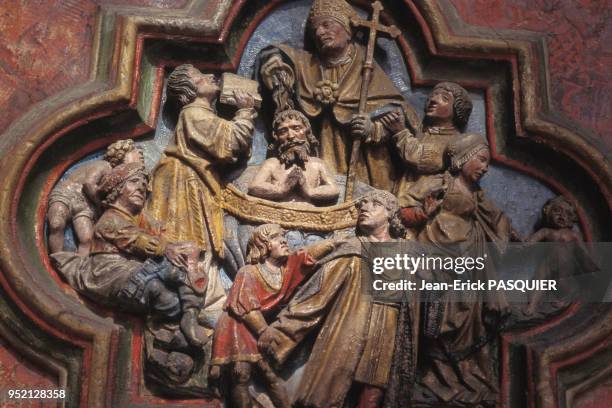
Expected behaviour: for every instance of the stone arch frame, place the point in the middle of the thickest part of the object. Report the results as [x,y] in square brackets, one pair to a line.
[121,99]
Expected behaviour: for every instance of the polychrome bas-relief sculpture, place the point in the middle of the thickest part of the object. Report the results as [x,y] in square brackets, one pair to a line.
[457,367]
[569,259]
[134,266]
[261,289]
[330,85]
[228,271]
[348,351]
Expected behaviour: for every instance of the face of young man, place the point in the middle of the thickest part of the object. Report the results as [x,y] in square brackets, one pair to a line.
[207,84]
[277,245]
[372,214]
[440,106]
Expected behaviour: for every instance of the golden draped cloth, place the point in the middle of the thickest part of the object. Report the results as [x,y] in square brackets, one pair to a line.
[356,337]
[378,164]
[186,187]
[459,367]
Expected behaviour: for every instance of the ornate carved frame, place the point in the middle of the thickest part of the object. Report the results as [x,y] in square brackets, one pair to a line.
[44,319]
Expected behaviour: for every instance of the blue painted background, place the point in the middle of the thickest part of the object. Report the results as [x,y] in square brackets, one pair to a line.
[520,196]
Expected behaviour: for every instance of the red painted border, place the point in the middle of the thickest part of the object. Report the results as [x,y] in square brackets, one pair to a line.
[55,175]
[556,366]
[79,340]
[137,338]
[40,239]
[490,120]
[514,337]
[499,158]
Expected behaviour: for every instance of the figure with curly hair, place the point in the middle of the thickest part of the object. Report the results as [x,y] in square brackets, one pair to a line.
[267,282]
[294,173]
[123,151]
[132,265]
[75,198]
[447,112]
[355,343]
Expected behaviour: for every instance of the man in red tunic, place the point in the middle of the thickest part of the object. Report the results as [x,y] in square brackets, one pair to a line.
[260,290]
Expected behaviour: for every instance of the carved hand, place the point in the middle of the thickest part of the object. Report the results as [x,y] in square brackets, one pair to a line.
[361,126]
[515,236]
[215,372]
[243,99]
[294,178]
[275,72]
[268,339]
[178,253]
[432,202]
[394,122]
[150,244]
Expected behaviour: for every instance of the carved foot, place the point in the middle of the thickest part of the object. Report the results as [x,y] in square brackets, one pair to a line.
[175,366]
[196,335]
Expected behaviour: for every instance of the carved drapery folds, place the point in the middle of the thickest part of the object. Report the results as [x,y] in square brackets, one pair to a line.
[168,354]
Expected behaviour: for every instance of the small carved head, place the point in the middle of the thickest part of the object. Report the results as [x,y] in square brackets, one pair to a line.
[329,23]
[186,83]
[378,208]
[329,35]
[469,155]
[449,101]
[326,92]
[291,132]
[123,151]
[267,240]
[125,185]
[559,213]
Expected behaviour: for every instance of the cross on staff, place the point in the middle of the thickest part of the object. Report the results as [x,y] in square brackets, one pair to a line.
[374,28]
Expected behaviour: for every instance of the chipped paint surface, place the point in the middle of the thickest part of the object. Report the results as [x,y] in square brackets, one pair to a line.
[45,47]
[16,373]
[163,4]
[46,53]
[578,36]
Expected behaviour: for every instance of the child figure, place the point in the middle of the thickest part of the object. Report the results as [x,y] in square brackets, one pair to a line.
[75,198]
[132,264]
[559,217]
[565,260]
[259,291]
